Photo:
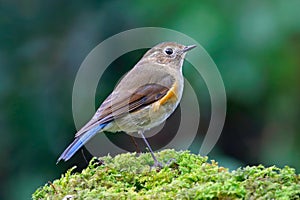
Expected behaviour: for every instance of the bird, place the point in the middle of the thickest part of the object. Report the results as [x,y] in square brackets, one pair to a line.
[143,99]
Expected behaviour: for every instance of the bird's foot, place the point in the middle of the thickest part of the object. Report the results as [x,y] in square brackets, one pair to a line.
[158,165]
[171,162]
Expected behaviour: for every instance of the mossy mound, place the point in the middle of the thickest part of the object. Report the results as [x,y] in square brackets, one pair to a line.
[128,176]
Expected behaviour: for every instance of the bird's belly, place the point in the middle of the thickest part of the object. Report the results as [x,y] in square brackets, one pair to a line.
[143,119]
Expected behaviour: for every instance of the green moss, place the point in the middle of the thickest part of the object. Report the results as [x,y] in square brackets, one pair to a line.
[128,176]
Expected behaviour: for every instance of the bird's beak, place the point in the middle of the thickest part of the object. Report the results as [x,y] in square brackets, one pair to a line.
[187,48]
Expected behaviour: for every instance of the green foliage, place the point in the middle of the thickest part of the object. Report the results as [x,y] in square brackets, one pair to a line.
[190,176]
[255,45]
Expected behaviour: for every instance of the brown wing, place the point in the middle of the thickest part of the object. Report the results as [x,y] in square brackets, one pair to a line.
[113,108]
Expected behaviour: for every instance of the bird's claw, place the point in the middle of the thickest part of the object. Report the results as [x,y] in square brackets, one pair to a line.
[159,165]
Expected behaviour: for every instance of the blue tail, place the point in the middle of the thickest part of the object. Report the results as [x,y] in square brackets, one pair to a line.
[79,142]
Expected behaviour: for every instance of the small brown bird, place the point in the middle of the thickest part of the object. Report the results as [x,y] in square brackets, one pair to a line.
[146,96]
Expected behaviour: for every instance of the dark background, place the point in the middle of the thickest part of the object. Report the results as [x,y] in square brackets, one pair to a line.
[255,45]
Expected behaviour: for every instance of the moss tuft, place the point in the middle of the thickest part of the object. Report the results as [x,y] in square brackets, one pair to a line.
[128,176]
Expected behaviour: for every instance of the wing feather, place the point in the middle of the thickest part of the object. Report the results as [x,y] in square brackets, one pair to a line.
[114,107]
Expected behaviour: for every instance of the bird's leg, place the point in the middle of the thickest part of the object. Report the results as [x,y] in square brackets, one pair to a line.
[156,163]
[138,151]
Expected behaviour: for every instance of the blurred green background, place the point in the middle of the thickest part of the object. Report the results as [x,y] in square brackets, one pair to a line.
[255,44]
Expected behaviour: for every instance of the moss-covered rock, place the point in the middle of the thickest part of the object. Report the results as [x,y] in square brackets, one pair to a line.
[128,176]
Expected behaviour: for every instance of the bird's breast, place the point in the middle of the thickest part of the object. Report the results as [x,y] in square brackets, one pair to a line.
[172,97]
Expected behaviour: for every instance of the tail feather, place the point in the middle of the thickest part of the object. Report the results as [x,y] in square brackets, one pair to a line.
[79,142]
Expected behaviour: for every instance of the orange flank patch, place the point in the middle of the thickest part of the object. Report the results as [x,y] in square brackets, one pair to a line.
[170,96]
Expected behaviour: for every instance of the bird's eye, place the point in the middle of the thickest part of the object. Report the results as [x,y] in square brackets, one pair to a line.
[169,51]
